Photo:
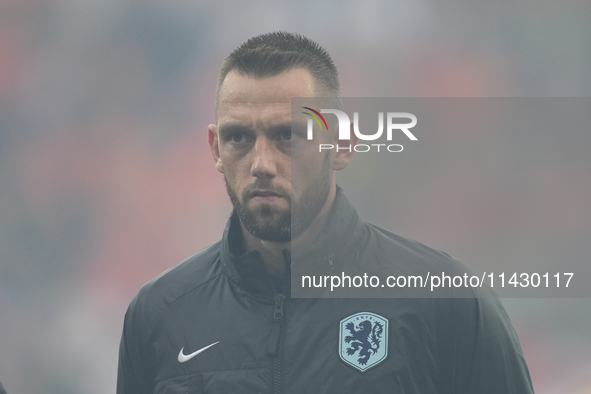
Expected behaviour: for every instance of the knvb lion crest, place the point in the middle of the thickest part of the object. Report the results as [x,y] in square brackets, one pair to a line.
[363,340]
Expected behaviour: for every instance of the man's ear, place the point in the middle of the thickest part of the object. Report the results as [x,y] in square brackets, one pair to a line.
[214,145]
[345,150]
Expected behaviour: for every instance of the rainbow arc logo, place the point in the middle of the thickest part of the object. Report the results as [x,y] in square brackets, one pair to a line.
[315,118]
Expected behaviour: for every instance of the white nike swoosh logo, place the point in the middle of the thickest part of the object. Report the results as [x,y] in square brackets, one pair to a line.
[186,357]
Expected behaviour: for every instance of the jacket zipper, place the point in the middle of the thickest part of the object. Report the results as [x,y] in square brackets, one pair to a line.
[276,341]
[275,348]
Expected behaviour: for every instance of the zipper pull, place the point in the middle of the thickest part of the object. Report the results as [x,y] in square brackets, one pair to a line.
[278,314]
[276,327]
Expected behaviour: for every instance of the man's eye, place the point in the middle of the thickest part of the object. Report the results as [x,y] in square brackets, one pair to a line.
[286,135]
[237,137]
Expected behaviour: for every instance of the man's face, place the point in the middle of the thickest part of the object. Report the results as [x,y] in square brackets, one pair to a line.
[256,148]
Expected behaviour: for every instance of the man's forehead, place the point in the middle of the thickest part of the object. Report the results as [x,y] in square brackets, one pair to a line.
[256,116]
[238,91]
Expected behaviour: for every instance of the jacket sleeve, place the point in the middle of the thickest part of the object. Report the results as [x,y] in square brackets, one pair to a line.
[134,375]
[488,356]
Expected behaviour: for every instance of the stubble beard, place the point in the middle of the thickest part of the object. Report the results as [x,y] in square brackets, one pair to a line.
[270,225]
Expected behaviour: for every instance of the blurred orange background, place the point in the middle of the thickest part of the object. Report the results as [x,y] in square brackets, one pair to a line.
[106,179]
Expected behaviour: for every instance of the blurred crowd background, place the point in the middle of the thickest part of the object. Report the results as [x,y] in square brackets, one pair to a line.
[106,179]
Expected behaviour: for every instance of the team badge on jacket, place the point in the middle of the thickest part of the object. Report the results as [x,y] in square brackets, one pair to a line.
[363,340]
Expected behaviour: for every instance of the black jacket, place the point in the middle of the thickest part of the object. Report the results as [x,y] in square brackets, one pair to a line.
[259,341]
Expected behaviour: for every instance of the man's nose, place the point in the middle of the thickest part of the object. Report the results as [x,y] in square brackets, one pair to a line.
[264,165]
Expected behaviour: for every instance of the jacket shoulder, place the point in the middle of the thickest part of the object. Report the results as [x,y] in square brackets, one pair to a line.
[408,253]
[172,284]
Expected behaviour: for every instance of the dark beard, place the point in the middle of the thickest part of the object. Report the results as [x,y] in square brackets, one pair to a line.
[289,224]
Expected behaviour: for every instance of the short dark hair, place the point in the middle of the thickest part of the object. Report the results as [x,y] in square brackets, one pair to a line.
[271,54]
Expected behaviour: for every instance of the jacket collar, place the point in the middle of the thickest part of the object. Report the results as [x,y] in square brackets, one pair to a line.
[337,240]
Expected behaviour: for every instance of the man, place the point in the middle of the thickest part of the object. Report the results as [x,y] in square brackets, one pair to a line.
[223,321]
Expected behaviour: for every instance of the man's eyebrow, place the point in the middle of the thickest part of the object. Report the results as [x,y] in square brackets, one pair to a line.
[277,128]
[234,128]
[291,126]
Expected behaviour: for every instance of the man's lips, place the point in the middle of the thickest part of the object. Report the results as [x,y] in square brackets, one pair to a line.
[263,193]
[265,196]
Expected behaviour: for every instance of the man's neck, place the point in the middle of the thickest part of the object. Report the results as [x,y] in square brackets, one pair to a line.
[272,252]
